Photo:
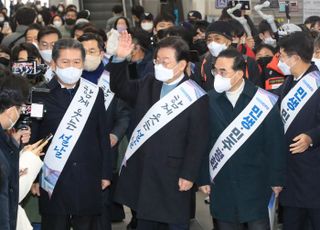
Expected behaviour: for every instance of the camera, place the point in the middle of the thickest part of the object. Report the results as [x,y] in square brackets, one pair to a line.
[32,110]
[30,70]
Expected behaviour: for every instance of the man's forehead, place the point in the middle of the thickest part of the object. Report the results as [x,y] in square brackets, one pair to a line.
[223,63]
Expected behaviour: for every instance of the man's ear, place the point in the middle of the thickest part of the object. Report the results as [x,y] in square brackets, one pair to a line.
[182,65]
[261,36]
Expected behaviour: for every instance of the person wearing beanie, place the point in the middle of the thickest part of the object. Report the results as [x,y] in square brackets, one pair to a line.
[219,38]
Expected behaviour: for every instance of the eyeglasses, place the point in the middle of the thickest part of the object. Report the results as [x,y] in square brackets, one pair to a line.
[222,73]
[165,62]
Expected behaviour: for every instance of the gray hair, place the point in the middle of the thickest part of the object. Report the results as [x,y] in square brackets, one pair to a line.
[67,43]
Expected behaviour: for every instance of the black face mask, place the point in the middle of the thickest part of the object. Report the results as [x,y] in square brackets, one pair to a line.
[264,61]
[4,61]
[201,46]
[70,21]
[234,45]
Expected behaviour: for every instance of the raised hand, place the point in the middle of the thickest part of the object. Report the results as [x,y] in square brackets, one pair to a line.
[125,45]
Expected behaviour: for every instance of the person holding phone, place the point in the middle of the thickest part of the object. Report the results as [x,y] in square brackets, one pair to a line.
[14,92]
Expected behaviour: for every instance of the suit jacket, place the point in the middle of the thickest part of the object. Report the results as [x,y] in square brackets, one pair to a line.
[303,188]
[78,190]
[9,182]
[242,189]
[149,182]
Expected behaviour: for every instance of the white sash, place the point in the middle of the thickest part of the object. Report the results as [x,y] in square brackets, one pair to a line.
[240,129]
[298,96]
[104,84]
[161,113]
[68,133]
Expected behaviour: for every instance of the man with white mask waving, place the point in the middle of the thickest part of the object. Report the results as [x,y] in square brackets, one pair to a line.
[164,153]
[219,38]
[77,165]
[247,158]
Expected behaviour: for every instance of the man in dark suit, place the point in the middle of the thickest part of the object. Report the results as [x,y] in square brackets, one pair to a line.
[76,200]
[241,190]
[157,179]
[300,198]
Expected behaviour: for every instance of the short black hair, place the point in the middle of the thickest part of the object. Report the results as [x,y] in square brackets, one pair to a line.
[34,26]
[163,18]
[92,36]
[67,43]
[137,11]
[178,44]
[32,51]
[237,28]
[48,30]
[264,26]
[201,25]
[264,46]
[14,90]
[72,10]
[178,31]
[71,7]
[313,20]
[25,16]
[117,9]
[80,26]
[94,30]
[299,43]
[239,63]
[142,38]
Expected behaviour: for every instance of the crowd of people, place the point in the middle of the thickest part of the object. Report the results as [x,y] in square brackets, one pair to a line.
[146,112]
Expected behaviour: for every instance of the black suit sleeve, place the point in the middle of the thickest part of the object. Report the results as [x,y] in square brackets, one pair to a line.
[103,134]
[120,83]
[121,119]
[315,132]
[197,140]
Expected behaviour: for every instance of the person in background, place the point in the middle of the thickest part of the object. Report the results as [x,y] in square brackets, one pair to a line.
[141,56]
[117,12]
[31,34]
[24,17]
[162,22]
[271,75]
[146,24]
[57,21]
[71,7]
[266,34]
[78,29]
[137,12]
[121,24]
[47,37]
[70,21]
[61,9]
[316,52]
[311,23]
[83,17]
[194,16]
[199,38]
[14,93]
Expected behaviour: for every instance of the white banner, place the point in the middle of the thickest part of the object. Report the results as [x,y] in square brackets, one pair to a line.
[161,113]
[240,129]
[104,84]
[298,96]
[68,133]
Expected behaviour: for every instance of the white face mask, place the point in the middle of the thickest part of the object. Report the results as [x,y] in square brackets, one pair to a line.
[270,41]
[121,28]
[216,48]
[162,73]
[12,123]
[69,75]
[285,69]
[1,19]
[92,62]
[316,62]
[57,23]
[147,26]
[221,84]
[46,55]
